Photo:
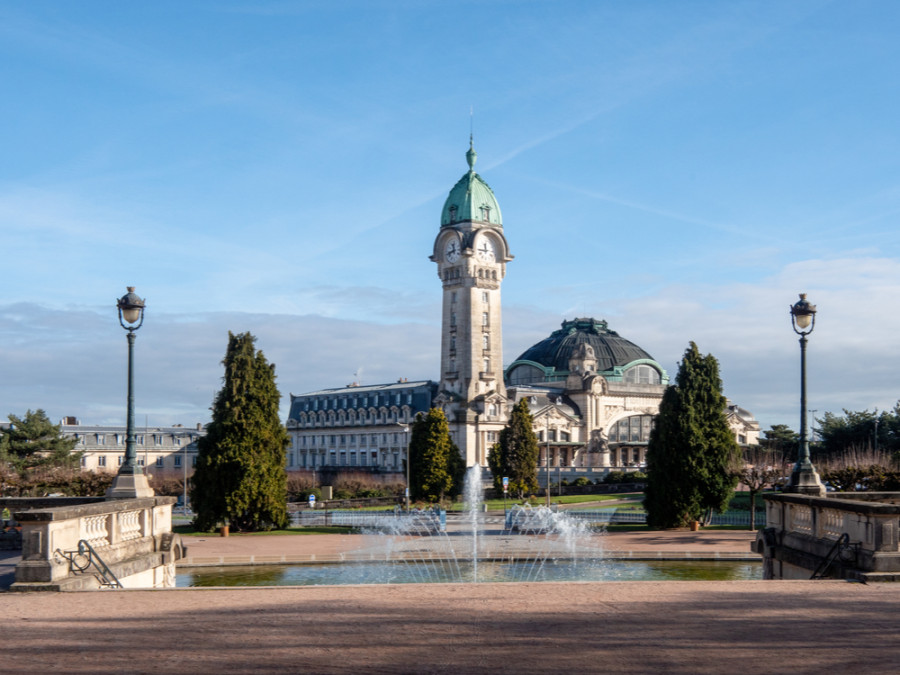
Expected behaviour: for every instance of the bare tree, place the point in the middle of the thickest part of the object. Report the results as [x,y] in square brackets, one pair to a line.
[761,468]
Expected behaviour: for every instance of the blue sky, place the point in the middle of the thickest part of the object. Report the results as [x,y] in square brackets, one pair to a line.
[681,169]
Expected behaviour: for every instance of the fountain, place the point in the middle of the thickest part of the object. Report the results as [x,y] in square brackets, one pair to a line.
[530,544]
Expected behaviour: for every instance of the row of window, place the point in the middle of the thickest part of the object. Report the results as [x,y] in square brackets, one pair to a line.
[562,436]
[357,401]
[342,418]
[485,364]
[160,461]
[347,439]
[485,342]
[120,439]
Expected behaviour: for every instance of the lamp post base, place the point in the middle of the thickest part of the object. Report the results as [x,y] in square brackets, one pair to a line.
[129,486]
[805,481]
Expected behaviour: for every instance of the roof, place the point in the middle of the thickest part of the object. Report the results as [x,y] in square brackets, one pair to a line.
[356,389]
[610,348]
[471,199]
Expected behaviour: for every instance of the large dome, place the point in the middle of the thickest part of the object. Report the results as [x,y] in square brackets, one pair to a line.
[612,351]
[471,199]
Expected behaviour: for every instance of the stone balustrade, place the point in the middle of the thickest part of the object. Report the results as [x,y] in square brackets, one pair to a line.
[801,531]
[132,536]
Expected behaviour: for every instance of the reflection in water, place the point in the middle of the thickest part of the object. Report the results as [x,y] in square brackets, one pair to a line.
[434,572]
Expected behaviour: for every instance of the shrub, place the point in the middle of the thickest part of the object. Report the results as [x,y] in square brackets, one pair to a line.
[614,477]
[581,481]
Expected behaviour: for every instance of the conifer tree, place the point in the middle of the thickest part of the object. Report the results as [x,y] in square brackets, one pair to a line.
[240,477]
[435,459]
[34,441]
[516,455]
[692,454]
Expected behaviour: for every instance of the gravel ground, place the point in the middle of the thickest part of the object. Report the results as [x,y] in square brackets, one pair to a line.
[610,627]
[628,627]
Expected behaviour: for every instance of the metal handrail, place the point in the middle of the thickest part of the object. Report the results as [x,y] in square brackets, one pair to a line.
[840,546]
[89,555]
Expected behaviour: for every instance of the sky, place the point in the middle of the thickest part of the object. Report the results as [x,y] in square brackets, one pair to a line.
[680,169]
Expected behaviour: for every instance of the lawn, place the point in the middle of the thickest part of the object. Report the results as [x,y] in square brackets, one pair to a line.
[189,530]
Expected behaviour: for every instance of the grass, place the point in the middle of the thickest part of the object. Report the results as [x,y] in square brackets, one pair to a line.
[498,504]
[336,529]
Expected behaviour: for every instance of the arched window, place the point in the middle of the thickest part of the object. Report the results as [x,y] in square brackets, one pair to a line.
[525,374]
[642,375]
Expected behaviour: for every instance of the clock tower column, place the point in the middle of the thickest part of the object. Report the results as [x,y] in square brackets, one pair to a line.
[471,253]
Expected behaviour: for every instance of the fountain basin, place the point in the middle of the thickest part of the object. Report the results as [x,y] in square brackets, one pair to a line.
[488,571]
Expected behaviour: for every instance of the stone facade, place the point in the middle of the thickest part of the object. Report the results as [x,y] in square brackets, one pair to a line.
[365,427]
[161,451]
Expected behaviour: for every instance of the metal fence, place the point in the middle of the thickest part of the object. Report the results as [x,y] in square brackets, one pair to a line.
[738,518]
[372,519]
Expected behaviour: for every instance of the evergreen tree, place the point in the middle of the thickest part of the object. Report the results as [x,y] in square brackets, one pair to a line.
[516,455]
[857,431]
[692,454]
[240,478]
[782,439]
[33,441]
[435,459]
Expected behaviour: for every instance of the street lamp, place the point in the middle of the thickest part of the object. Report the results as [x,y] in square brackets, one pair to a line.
[804,479]
[406,438]
[130,482]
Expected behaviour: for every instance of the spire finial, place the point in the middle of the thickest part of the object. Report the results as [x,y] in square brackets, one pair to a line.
[471,155]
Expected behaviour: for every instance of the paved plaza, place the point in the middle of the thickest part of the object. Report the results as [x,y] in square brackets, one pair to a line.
[611,627]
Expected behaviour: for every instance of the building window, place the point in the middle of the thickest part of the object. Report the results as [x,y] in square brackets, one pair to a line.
[452,318]
[485,341]
[487,365]
[453,297]
[120,460]
[642,375]
[140,439]
[194,461]
[140,461]
[83,461]
[101,439]
[177,461]
[160,462]
[484,318]
[101,460]
[485,298]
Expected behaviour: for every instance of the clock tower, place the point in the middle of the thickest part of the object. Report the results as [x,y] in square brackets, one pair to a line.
[471,255]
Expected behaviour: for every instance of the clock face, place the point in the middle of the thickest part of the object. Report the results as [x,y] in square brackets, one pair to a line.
[451,251]
[485,250]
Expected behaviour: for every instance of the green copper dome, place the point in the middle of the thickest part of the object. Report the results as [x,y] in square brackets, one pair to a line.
[471,199]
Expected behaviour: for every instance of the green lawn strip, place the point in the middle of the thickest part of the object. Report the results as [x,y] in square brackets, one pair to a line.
[741,501]
[336,529]
[498,504]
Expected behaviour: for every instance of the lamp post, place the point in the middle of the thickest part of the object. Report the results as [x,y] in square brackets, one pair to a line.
[548,460]
[130,482]
[406,438]
[804,478]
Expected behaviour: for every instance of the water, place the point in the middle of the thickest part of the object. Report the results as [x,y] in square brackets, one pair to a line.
[338,574]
